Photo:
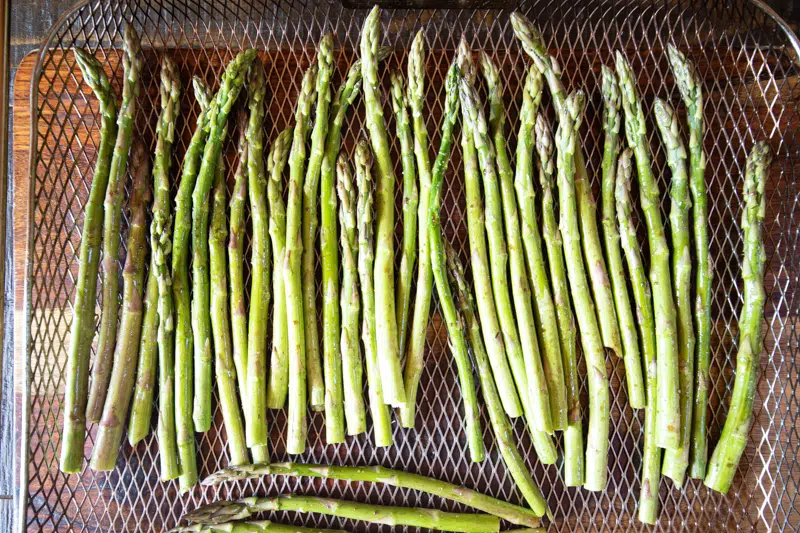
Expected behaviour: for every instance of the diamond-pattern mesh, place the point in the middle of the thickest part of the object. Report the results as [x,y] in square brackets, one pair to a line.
[751,88]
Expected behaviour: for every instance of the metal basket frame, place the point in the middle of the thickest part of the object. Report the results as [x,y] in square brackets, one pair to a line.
[749,59]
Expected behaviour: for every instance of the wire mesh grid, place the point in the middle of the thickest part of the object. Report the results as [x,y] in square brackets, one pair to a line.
[751,86]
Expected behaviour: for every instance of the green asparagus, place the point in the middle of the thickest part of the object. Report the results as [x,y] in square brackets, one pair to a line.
[260,526]
[236,260]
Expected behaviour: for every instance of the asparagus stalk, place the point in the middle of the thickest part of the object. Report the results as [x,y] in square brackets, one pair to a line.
[500,423]
[76,389]
[669,407]
[533,45]
[690,86]
[574,465]
[394,478]
[597,438]
[220,323]
[238,305]
[651,454]
[386,317]
[612,119]
[316,385]
[260,526]
[725,459]
[115,191]
[381,420]
[109,434]
[677,461]
[224,511]
[296,441]
[278,381]
[455,329]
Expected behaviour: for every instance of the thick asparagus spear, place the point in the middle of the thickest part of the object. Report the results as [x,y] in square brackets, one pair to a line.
[378,474]
[381,420]
[651,454]
[260,526]
[115,191]
[612,119]
[352,371]
[316,385]
[385,315]
[224,511]
[479,259]
[296,440]
[109,434]
[500,423]
[725,459]
[76,389]
[278,381]
[455,329]
[677,461]
[597,439]
[219,109]
[669,407]
[238,305]
[690,86]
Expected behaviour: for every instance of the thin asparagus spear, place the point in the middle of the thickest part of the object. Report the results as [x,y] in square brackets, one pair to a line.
[597,439]
[378,474]
[220,323]
[385,315]
[500,423]
[219,109]
[651,453]
[352,371]
[415,341]
[224,511]
[668,404]
[574,465]
[109,434]
[316,385]
[612,119]
[690,86]
[238,305]
[677,461]
[76,389]
[455,329]
[381,420]
[725,459]
[115,191]
[550,356]
[278,381]
[533,45]
[479,259]
[296,441]
[260,526]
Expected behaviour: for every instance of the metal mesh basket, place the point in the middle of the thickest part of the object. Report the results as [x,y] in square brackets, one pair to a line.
[751,86]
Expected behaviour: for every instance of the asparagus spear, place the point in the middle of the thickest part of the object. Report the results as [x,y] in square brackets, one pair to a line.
[479,259]
[296,441]
[115,191]
[394,478]
[381,420]
[455,330]
[238,305]
[677,461]
[219,109]
[316,386]
[76,389]
[224,511]
[689,84]
[500,423]
[612,119]
[725,459]
[352,370]
[220,323]
[534,46]
[278,381]
[574,465]
[669,407]
[260,526]
[109,434]
[597,438]
[651,454]
[385,315]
